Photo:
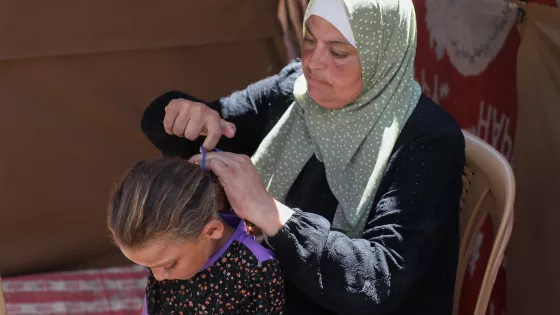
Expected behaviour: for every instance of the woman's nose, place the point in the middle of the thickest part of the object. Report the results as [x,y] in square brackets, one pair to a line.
[316,59]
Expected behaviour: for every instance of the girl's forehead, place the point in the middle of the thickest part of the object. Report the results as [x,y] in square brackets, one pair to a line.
[157,254]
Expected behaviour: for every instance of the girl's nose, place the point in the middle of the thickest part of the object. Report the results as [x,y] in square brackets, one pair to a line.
[159,274]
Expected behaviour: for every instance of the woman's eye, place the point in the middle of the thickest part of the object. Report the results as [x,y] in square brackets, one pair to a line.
[338,56]
[308,40]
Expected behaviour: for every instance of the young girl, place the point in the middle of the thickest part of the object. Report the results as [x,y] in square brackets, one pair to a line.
[166,215]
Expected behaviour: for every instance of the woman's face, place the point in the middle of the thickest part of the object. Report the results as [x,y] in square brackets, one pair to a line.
[170,260]
[331,65]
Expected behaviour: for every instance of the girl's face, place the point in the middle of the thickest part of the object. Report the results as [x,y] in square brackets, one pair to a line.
[182,260]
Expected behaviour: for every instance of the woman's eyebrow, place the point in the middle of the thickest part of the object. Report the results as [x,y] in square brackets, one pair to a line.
[339,42]
[309,31]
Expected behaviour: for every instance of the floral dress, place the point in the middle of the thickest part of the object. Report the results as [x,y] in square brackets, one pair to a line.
[241,278]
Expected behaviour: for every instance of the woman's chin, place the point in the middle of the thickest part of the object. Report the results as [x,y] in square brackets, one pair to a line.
[324,102]
[317,94]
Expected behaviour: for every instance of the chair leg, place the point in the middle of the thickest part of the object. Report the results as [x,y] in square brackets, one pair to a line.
[494,263]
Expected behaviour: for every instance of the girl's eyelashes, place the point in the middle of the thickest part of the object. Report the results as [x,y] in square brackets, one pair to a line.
[170,268]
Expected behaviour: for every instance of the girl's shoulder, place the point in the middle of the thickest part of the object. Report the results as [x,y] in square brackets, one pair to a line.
[244,245]
[249,260]
[248,244]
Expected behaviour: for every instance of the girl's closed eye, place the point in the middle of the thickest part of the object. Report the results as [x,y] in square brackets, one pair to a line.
[170,268]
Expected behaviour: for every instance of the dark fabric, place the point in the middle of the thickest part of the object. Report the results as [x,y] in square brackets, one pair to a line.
[406,261]
[237,283]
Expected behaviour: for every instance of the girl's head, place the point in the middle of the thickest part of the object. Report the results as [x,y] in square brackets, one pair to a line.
[164,215]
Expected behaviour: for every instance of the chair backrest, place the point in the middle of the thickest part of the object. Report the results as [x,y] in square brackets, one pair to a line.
[488,189]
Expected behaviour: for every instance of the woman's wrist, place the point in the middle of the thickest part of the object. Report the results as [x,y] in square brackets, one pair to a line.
[273,217]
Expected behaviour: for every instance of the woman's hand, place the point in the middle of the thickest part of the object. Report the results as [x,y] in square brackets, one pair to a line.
[245,191]
[191,119]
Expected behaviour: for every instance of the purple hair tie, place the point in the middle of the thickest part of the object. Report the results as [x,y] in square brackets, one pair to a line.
[203,151]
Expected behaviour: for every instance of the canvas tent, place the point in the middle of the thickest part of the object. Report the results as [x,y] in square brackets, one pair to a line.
[534,254]
[75,76]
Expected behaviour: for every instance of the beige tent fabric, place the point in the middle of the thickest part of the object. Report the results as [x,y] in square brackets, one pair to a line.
[290,14]
[75,77]
[534,252]
[38,28]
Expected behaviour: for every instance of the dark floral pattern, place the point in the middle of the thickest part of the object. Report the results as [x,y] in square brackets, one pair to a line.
[237,283]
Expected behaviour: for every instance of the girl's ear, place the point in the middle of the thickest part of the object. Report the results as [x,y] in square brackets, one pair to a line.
[213,230]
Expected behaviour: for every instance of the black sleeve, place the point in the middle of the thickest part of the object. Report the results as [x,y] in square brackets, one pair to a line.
[254,111]
[372,275]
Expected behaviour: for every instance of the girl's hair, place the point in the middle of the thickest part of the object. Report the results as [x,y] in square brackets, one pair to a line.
[163,198]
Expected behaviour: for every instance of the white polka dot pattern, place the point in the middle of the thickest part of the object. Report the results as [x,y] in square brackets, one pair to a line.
[354,142]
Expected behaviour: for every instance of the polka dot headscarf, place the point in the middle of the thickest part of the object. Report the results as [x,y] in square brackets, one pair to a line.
[355,142]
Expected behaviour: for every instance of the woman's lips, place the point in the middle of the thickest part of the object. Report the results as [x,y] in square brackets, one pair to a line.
[314,81]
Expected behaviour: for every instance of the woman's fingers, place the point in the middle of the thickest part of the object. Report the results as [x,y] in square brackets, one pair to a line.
[228,129]
[225,165]
[194,124]
[213,131]
[171,114]
[243,186]
[218,167]
[191,120]
[226,158]
[242,159]
[180,124]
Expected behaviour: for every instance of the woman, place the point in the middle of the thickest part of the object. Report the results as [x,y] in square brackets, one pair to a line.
[362,173]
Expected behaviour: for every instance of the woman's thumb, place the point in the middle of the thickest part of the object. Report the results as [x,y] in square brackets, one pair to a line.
[228,129]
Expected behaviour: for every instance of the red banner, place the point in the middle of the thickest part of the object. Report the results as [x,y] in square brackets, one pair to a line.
[466,61]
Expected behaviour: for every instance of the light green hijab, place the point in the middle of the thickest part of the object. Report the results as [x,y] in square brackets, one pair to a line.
[354,142]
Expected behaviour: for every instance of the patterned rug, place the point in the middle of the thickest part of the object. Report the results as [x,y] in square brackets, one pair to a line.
[110,291]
